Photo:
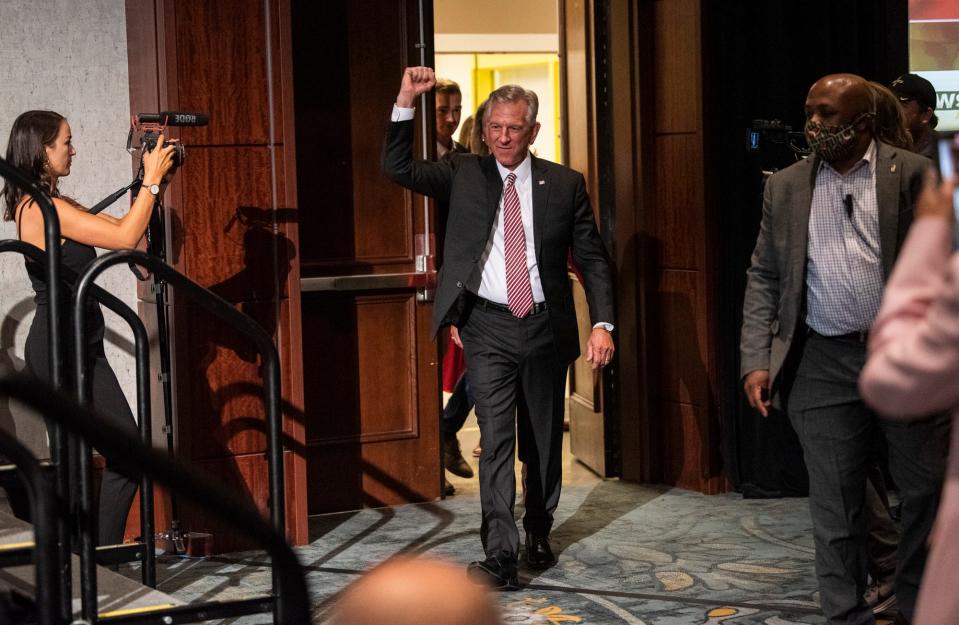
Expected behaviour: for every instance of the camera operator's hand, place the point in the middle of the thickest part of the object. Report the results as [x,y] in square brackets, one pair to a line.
[158,162]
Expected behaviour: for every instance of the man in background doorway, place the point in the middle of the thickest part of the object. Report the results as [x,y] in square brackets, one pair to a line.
[449,107]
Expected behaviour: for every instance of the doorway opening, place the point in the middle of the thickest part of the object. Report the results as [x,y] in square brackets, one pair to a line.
[481,53]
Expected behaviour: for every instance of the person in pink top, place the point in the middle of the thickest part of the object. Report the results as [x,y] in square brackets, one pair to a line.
[912,370]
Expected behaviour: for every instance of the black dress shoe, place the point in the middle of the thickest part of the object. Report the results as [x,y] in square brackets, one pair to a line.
[453,458]
[448,489]
[496,572]
[539,555]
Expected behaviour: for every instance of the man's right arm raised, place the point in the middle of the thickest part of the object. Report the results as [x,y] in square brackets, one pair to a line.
[425,177]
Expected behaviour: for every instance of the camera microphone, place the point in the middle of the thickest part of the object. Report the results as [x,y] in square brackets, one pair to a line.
[174,118]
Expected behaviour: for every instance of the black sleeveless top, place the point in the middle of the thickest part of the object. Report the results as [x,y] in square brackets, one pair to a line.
[75,258]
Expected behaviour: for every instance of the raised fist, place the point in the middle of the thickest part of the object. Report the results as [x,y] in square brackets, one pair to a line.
[416,81]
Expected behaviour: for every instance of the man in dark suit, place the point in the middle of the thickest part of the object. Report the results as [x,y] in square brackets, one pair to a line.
[503,285]
[831,228]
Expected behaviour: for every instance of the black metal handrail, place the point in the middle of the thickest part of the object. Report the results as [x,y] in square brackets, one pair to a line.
[43,511]
[58,443]
[144,416]
[290,600]
[239,321]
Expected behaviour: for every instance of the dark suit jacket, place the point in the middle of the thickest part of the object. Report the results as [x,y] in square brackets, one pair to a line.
[562,221]
[775,287]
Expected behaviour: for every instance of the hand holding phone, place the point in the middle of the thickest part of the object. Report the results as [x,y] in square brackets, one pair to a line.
[948,150]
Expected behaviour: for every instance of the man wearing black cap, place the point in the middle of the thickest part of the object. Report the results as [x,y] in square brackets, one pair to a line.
[918,99]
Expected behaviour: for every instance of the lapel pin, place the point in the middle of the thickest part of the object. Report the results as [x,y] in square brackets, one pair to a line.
[893,168]
[542,182]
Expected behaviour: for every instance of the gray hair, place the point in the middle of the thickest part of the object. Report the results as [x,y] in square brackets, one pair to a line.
[508,94]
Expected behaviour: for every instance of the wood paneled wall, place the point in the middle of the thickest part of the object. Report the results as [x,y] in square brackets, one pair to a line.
[231,213]
[680,269]
[651,175]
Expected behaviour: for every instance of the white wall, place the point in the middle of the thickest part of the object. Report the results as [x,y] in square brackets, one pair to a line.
[69,56]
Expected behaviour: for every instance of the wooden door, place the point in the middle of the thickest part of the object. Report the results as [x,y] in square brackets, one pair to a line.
[591,430]
[231,227]
[370,372]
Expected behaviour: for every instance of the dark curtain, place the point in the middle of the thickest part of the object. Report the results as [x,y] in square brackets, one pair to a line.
[760,59]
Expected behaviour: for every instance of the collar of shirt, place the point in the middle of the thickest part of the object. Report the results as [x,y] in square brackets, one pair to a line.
[522,171]
[869,157]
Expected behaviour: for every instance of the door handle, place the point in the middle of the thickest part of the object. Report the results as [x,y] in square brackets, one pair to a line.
[423,281]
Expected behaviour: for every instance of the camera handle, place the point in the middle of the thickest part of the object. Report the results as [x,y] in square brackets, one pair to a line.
[113,197]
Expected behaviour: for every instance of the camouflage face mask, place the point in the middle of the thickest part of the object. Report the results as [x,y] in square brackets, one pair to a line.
[832,143]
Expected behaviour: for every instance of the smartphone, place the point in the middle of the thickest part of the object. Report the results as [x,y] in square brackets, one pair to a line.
[948,151]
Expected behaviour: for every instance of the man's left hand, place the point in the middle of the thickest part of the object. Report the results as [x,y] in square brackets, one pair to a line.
[599,348]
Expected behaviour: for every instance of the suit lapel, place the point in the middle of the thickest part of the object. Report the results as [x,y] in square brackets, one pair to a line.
[494,188]
[799,221]
[540,182]
[887,196]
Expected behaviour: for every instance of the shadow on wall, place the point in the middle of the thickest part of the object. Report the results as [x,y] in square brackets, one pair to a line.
[14,418]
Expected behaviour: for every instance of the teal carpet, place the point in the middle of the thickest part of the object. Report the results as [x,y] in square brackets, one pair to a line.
[627,554]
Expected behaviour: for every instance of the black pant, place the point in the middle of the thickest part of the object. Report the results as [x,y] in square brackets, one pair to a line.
[837,432]
[116,491]
[510,360]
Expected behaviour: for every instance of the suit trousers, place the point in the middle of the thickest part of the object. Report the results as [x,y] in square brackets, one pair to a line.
[837,431]
[509,361]
[882,538]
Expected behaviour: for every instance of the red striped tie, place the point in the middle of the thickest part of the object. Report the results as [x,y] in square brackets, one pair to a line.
[519,293]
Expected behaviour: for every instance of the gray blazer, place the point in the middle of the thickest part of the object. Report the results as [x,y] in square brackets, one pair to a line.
[562,224]
[775,285]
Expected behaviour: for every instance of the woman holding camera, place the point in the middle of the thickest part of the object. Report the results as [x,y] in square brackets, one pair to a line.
[41,147]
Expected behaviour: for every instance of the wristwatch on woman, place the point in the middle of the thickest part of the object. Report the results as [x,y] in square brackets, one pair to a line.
[152,188]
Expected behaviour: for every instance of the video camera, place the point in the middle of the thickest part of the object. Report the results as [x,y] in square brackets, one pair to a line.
[153,124]
[775,144]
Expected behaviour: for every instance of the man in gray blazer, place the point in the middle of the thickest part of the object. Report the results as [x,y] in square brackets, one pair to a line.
[831,228]
[513,221]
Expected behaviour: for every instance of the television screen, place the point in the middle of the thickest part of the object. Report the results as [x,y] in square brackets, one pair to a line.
[934,53]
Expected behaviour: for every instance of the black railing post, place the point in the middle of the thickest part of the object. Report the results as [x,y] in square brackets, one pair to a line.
[88,515]
[58,443]
[88,537]
[144,417]
[43,512]
[289,593]
[239,321]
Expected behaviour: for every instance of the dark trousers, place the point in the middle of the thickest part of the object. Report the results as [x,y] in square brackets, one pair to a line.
[882,539]
[836,431]
[458,406]
[512,360]
[116,490]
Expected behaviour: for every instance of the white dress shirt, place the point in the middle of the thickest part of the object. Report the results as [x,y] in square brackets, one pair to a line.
[493,261]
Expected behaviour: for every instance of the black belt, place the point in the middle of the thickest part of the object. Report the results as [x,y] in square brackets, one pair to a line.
[857,337]
[485,304]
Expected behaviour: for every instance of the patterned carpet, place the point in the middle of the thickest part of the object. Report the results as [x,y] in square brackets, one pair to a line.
[627,554]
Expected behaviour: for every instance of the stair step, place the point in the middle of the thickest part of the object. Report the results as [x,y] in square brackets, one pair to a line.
[117,595]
